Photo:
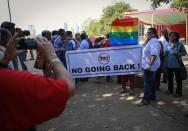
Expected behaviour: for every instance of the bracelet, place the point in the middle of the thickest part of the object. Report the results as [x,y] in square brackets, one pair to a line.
[54,62]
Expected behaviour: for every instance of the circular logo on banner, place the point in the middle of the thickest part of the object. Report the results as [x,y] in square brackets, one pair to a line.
[104,58]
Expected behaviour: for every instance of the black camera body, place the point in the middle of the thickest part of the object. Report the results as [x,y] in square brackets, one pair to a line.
[27,44]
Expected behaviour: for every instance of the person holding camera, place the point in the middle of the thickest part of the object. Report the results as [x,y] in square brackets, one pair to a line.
[40,62]
[29,99]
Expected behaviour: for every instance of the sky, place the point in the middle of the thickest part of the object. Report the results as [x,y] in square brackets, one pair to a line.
[52,14]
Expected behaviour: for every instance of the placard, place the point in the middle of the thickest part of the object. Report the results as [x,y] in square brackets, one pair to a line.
[104,61]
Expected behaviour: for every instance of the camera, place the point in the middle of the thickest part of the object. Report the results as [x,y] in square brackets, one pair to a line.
[27,44]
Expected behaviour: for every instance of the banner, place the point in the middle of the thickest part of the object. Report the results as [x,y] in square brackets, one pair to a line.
[104,61]
[124,32]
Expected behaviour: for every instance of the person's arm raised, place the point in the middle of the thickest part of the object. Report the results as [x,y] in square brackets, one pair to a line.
[60,73]
[11,51]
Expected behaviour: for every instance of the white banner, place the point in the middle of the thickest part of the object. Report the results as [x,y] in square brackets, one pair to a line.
[104,61]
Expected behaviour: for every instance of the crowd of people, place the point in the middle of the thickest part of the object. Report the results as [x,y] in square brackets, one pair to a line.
[29,99]
[161,56]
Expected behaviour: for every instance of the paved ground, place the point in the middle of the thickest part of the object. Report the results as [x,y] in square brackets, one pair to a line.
[100,107]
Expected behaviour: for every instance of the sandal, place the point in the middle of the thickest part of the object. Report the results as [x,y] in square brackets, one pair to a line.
[122,91]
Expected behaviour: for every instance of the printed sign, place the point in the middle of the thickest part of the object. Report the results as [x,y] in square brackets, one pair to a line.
[104,61]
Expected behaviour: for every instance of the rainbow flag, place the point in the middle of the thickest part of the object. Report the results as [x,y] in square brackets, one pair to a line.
[124,32]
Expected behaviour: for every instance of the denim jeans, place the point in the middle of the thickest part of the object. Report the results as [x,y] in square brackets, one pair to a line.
[149,87]
[15,63]
[22,58]
[61,56]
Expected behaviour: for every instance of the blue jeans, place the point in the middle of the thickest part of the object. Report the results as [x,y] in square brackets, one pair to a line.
[22,58]
[15,63]
[149,87]
[61,56]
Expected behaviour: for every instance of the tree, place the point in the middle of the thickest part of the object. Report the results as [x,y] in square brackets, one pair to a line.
[91,27]
[174,4]
[157,3]
[102,26]
[180,4]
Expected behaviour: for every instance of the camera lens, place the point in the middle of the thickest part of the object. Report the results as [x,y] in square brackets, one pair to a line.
[27,44]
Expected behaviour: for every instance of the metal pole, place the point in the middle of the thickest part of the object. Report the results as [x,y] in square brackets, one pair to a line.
[9,10]
[186,38]
[152,20]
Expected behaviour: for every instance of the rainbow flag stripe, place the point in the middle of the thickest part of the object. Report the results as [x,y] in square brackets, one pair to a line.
[124,28]
[124,32]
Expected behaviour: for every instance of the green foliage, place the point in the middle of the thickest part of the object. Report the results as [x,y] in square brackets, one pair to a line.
[102,26]
[174,4]
[179,4]
[157,3]
[91,27]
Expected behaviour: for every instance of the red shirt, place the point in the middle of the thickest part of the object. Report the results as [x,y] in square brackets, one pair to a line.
[28,99]
[107,43]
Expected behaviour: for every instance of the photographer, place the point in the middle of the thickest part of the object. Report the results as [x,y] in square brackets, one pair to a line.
[29,99]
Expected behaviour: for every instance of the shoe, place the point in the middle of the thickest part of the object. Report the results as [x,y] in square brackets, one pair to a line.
[158,89]
[122,91]
[177,95]
[144,103]
[186,115]
[31,59]
[109,80]
[163,81]
[153,99]
[168,93]
[132,93]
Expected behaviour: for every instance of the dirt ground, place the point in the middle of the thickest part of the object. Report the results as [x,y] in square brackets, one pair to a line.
[98,106]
